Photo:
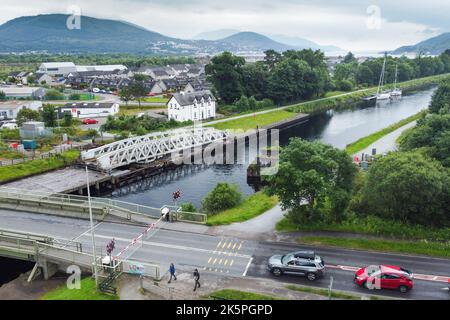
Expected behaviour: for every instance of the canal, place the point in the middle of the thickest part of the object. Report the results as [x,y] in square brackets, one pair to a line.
[336,127]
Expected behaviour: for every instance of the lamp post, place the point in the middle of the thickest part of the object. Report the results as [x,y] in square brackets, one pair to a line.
[94,256]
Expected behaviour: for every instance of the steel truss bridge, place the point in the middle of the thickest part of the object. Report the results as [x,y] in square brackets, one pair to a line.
[148,148]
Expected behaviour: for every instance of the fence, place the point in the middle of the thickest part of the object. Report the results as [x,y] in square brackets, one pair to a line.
[126,210]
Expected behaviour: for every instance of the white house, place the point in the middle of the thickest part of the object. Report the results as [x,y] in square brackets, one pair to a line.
[9,109]
[199,105]
[91,110]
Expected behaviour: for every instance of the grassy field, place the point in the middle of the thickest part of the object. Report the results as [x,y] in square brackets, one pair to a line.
[437,249]
[251,207]
[9,173]
[135,109]
[230,294]
[252,121]
[86,292]
[155,100]
[364,142]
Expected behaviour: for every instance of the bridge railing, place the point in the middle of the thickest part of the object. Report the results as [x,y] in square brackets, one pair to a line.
[128,209]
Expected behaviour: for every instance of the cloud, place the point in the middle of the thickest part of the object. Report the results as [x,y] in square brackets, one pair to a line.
[341,22]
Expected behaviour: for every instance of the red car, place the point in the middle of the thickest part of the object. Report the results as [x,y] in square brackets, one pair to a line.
[384,277]
[90,121]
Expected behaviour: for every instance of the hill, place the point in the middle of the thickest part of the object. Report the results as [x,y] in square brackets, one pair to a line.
[50,33]
[434,46]
[252,41]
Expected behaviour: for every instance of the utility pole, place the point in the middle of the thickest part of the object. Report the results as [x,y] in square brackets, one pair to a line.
[330,288]
[94,256]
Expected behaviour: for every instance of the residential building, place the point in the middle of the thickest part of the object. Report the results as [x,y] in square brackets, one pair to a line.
[198,105]
[91,110]
[10,109]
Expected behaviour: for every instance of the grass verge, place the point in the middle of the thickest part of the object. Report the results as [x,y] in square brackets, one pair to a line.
[251,207]
[364,142]
[325,293]
[14,172]
[437,249]
[251,122]
[86,292]
[230,294]
[370,225]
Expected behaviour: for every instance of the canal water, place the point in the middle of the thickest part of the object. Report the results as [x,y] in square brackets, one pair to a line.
[335,127]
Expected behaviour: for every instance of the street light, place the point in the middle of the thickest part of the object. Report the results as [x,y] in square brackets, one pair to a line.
[94,256]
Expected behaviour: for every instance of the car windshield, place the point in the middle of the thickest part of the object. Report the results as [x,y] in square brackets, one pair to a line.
[286,258]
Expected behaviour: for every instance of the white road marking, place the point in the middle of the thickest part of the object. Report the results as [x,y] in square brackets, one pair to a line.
[248,266]
[171,246]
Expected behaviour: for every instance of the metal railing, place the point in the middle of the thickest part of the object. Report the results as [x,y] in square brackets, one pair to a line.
[127,210]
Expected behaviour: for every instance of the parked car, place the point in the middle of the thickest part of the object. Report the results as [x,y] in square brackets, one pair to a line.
[303,263]
[89,121]
[385,277]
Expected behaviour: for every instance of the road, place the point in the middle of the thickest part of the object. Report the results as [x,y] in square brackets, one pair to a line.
[230,255]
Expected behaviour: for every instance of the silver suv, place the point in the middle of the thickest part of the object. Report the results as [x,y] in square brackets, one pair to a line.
[304,263]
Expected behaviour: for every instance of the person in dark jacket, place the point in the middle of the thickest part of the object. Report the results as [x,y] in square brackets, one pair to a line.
[172,273]
[196,278]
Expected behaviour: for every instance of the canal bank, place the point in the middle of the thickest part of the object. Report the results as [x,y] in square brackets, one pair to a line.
[334,127]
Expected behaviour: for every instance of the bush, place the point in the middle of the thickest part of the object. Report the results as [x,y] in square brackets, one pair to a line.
[188,207]
[222,197]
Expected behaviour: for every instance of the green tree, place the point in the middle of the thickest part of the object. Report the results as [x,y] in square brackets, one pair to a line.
[26,114]
[138,91]
[2,95]
[53,94]
[68,119]
[125,95]
[271,58]
[441,97]
[223,196]
[349,58]
[225,73]
[255,79]
[409,187]
[313,180]
[49,116]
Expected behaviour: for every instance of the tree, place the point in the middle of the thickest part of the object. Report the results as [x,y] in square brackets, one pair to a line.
[138,91]
[441,97]
[49,116]
[223,196]
[432,135]
[255,80]
[53,94]
[225,73]
[188,207]
[271,58]
[349,58]
[31,79]
[125,95]
[68,119]
[409,187]
[313,180]
[26,114]
[2,95]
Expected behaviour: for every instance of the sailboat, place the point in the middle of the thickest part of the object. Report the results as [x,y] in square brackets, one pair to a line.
[382,95]
[396,92]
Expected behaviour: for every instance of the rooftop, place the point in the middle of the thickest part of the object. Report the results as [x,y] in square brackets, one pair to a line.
[185,99]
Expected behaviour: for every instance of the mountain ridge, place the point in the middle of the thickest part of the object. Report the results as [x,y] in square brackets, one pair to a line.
[434,45]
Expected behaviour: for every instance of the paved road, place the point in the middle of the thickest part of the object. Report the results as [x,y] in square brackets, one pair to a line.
[230,255]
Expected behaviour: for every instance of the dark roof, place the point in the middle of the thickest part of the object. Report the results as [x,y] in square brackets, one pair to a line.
[82,105]
[185,99]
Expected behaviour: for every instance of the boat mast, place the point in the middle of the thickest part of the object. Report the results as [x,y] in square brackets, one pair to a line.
[380,83]
[396,75]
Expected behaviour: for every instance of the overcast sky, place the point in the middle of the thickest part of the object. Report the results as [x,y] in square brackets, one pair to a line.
[358,25]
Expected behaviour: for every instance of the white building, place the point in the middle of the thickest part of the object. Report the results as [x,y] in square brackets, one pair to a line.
[101,68]
[9,109]
[57,68]
[91,110]
[199,105]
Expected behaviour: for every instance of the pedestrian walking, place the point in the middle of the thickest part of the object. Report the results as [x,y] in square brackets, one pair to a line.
[172,273]
[196,278]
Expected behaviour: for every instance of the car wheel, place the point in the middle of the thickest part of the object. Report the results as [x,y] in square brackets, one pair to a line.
[277,272]
[403,289]
[311,276]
